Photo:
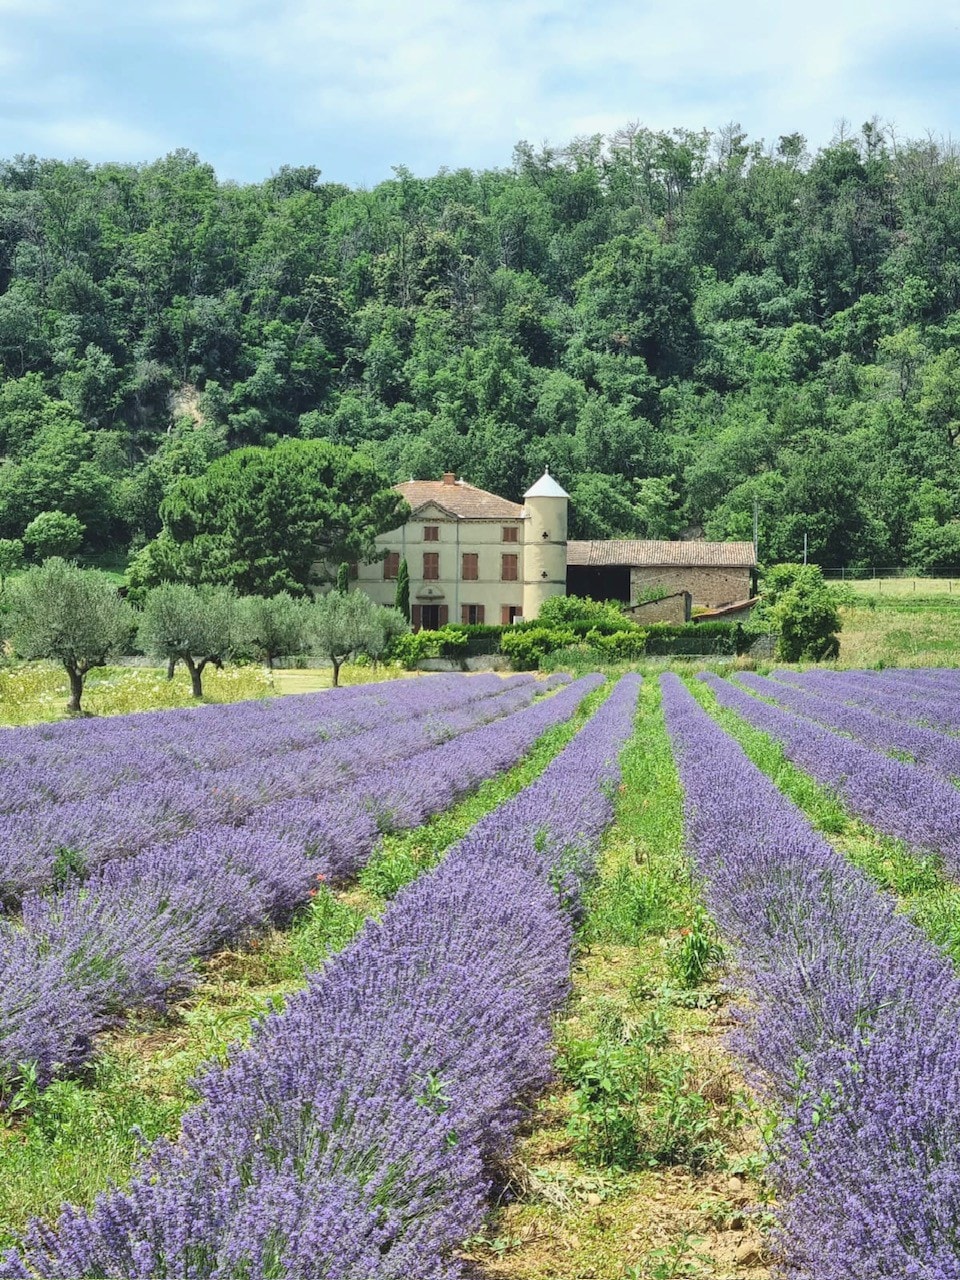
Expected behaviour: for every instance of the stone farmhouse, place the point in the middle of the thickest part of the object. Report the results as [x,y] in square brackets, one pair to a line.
[473,556]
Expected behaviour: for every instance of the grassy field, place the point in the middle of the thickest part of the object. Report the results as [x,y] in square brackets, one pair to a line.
[901,586]
[36,692]
[903,630]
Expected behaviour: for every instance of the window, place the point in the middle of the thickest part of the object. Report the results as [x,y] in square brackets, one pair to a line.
[508,612]
[471,614]
[508,568]
[470,566]
[510,533]
[431,566]
[431,533]
[391,565]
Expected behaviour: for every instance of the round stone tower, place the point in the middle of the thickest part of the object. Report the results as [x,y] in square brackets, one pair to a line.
[544,543]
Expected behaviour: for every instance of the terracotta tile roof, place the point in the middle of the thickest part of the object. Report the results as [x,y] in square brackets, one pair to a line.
[646,554]
[460,499]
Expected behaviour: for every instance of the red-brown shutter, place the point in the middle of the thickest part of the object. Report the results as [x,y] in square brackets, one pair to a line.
[504,615]
[415,611]
[480,608]
[465,614]
[443,615]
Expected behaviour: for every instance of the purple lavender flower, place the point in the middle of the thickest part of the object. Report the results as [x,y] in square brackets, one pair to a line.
[351,1139]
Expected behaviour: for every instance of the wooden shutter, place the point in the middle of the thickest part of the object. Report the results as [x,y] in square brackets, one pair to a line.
[470,566]
[431,566]
[508,568]
[505,615]
[415,612]
[443,615]
[480,612]
[465,614]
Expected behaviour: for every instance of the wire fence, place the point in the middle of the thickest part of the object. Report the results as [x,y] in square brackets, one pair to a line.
[893,580]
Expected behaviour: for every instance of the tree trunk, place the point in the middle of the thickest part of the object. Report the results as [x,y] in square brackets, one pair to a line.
[171,667]
[196,676]
[76,691]
[337,663]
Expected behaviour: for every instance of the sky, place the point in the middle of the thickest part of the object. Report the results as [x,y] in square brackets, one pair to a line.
[356,87]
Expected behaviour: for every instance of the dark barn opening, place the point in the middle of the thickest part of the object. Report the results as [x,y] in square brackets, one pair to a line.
[600,582]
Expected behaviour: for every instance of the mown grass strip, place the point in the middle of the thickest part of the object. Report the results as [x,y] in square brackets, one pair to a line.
[918,882]
[71,1140]
[638,1163]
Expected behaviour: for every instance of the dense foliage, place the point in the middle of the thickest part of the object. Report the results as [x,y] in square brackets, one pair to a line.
[678,323]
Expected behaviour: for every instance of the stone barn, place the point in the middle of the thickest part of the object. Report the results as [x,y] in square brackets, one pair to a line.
[714,573]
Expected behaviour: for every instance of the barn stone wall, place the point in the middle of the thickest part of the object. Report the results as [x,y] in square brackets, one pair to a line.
[710,586]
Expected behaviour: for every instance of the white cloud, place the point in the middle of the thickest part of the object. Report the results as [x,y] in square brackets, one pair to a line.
[459,81]
[472,73]
[96,138]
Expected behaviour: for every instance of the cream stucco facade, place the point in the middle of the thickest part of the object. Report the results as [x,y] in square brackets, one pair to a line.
[471,555]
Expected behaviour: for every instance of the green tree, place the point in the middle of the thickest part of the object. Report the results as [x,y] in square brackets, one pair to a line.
[402,601]
[53,533]
[343,577]
[198,626]
[267,520]
[339,626]
[11,559]
[71,615]
[274,625]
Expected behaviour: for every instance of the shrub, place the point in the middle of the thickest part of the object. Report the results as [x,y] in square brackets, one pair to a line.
[798,605]
[618,646]
[412,648]
[526,646]
[582,614]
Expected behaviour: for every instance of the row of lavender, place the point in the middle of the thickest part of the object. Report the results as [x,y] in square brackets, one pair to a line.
[913,696]
[131,931]
[906,801]
[74,759]
[352,1139]
[43,839]
[851,1024]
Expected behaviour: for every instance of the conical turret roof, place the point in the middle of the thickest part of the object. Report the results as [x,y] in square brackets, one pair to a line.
[546,487]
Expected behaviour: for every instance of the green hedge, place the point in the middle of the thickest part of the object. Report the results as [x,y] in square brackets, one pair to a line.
[714,638]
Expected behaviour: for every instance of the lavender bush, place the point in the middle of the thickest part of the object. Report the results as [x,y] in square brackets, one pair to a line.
[131,932]
[851,1025]
[899,799]
[352,1139]
[129,818]
[938,751]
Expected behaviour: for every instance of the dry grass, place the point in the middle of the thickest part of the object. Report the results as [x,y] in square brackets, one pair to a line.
[901,633]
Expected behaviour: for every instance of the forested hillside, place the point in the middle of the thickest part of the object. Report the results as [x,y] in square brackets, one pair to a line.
[676,323]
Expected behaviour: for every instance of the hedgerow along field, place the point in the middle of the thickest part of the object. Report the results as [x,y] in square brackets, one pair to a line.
[522,1062]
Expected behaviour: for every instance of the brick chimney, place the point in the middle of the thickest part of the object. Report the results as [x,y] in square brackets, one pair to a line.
[449,477]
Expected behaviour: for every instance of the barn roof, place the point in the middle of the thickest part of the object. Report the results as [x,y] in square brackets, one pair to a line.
[648,554]
[458,499]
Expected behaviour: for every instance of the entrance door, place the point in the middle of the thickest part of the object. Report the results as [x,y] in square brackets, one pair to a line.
[430,617]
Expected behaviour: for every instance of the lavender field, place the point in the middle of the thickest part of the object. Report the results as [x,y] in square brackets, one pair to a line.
[374,1125]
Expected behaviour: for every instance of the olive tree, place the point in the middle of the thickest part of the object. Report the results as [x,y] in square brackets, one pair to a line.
[341,625]
[74,616]
[198,626]
[273,625]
